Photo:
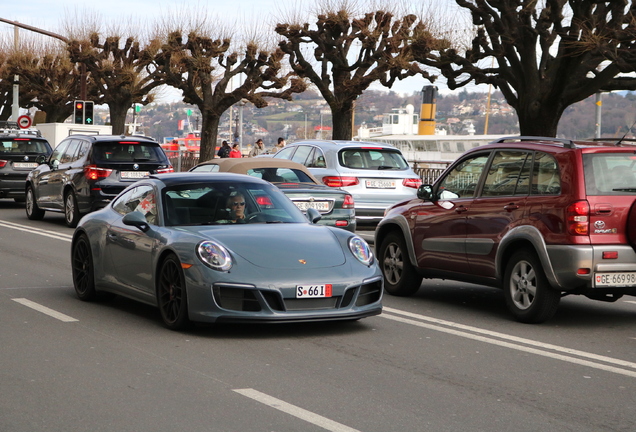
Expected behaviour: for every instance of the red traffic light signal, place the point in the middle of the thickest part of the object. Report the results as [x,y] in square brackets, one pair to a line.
[78,112]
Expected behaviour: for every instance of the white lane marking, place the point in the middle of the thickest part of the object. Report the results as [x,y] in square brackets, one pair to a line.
[515,346]
[50,312]
[39,231]
[301,413]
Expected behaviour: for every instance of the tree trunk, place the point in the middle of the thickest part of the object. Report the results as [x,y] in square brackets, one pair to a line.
[539,117]
[209,131]
[342,118]
[118,117]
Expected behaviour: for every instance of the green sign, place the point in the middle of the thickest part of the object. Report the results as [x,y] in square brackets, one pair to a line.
[137,108]
[189,112]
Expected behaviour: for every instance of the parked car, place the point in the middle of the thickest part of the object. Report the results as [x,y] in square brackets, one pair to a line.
[538,217]
[334,205]
[18,151]
[376,174]
[85,172]
[223,248]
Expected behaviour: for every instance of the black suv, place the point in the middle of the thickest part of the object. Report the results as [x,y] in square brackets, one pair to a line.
[18,152]
[85,172]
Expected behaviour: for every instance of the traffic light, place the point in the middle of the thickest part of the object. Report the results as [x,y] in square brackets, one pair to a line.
[78,113]
[88,113]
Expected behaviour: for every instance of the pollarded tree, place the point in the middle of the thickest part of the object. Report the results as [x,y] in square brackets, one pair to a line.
[49,79]
[352,52]
[547,55]
[119,70]
[203,68]
[8,58]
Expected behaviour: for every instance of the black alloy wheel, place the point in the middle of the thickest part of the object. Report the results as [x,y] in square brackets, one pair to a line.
[528,293]
[33,212]
[400,277]
[171,294]
[83,270]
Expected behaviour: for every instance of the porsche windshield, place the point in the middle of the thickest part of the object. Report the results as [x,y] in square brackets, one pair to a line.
[224,203]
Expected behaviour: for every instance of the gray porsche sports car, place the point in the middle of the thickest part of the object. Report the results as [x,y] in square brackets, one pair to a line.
[223,248]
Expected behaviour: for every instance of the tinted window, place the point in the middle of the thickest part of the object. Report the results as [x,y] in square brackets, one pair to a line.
[316,159]
[505,174]
[610,173]
[280,175]
[22,146]
[127,152]
[462,180]
[545,175]
[71,150]
[59,150]
[372,159]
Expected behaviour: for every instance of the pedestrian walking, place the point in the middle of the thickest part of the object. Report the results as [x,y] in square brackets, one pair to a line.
[224,151]
[236,152]
[257,148]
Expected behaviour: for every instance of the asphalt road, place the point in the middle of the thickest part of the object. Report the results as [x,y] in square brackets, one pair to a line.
[449,358]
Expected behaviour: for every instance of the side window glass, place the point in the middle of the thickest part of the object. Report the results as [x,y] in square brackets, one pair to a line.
[141,199]
[71,150]
[504,173]
[285,153]
[301,154]
[83,150]
[59,150]
[463,178]
[546,179]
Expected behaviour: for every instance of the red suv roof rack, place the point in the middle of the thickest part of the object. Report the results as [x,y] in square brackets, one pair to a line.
[566,142]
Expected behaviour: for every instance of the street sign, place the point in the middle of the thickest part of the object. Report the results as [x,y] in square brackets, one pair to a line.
[24,121]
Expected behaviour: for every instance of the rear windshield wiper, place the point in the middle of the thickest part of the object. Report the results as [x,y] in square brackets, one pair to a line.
[386,167]
[628,189]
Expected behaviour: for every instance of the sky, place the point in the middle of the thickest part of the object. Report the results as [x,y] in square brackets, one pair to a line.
[51,15]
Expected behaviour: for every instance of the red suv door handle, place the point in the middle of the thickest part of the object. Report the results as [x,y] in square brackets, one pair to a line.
[510,207]
[461,209]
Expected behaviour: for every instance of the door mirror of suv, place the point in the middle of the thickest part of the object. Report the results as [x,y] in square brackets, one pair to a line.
[425,192]
[55,163]
[136,219]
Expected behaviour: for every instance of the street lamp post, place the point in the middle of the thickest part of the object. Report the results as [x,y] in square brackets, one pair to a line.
[305,125]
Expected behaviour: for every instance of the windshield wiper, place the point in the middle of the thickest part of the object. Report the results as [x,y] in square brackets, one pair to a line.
[627,189]
[386,167]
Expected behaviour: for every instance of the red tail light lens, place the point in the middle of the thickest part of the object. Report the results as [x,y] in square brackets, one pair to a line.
[412,182]
[264,201]
[91,172]
[3,163]
[337,181]
[578,218]
[348,202]
[165,170]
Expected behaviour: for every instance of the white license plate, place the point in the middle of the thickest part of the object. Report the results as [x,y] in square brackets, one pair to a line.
[134,174]
[318,205]
[313,291]
[30,165]
[380,184]
[621,279]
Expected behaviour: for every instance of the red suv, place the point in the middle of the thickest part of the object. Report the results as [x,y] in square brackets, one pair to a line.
[539,217]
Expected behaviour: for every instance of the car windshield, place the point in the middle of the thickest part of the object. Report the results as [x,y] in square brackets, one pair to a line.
[610,173]
[228,203]
[372,159]
[128,152]
[23,146]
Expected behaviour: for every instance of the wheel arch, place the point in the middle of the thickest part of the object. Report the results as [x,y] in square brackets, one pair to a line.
[400,225]
[524,237]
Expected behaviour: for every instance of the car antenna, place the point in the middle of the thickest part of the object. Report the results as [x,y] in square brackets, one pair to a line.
[618,143]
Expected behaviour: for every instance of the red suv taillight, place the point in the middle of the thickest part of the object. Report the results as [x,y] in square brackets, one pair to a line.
[348,202]
[91,172]
[578,218]
[337,181]
[3,163]
[165,170]
[412,182]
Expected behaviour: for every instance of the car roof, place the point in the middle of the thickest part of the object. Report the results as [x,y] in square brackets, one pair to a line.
[177,178]
[242,165]
[557,144]
[343,144]
[120,138]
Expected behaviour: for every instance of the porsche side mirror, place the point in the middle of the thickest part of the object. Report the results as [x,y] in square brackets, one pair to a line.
[136,219]
[313,215]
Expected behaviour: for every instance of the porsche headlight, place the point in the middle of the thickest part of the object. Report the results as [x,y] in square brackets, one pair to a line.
[361,250]
[214,255]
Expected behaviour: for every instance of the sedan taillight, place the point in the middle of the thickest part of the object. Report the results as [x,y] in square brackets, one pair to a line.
[348,202]
[578,218]
[91,172]
[3,163]
[337,181]
[412,182]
